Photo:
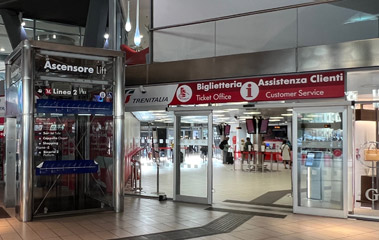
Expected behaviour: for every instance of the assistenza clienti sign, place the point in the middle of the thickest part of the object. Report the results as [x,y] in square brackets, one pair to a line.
[274,88]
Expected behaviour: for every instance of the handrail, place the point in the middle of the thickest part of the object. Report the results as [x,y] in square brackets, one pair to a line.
[133,152]
[243,14]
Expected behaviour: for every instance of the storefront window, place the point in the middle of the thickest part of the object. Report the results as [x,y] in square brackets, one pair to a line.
[366,164]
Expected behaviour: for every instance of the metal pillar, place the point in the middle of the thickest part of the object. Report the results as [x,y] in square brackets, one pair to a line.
[96,23]
[112,24]
[118,164]
[26,149]
[10,153]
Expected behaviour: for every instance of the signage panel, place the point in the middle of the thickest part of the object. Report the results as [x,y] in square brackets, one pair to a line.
[73,107]
[273,88]
[66,167]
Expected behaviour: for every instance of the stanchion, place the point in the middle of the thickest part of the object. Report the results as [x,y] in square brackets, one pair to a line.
[157,162]
[136,176]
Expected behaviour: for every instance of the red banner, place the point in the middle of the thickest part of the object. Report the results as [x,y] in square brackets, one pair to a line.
[273,88]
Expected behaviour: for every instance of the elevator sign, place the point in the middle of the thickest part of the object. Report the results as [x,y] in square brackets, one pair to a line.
[273,88]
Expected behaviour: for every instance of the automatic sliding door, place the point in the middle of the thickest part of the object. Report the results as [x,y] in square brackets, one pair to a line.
[193,157]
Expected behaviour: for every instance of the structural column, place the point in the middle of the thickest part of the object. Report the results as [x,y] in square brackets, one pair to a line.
[118,108]
[10,153]
[26,148]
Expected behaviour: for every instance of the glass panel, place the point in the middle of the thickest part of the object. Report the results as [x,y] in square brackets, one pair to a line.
[57,27]
[73,131]
[246,34]
[193,155]
[342,21]
[320,160]
[366,167]
[67,138]
[5,45]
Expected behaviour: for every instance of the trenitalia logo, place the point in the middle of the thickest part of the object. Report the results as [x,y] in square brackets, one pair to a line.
[128,94]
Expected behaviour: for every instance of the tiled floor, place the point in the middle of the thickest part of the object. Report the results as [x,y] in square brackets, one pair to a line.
[145,216]
[228,184]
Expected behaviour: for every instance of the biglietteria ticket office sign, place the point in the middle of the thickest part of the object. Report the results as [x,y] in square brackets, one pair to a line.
[273,88]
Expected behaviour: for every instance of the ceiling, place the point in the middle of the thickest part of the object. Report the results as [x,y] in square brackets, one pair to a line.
[73,12]
[228,115]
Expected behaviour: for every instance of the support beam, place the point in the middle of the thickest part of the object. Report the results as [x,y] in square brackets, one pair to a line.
[96,23]
[12,26]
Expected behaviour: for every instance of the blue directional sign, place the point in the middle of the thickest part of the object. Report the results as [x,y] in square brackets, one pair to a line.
[66,167]
[73,107]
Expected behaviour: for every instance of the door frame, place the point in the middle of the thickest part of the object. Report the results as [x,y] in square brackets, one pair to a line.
[346,152]
[176,193]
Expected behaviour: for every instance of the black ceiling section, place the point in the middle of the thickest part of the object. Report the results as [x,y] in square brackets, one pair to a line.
[73,12]
[365,6]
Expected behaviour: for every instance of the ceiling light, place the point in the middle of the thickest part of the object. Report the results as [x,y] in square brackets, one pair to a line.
[54,36]
[106,35]
[232,109]
[128,26]
[156,111]
[289,109]
[286,114]
[237,103]
[274,120]
[137,37]
[276,117]
[220,111]
[23,24]
[252,113]
[2,49]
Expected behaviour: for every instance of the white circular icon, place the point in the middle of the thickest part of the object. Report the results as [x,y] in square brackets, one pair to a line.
[103,94]
[184,93]
[249,91]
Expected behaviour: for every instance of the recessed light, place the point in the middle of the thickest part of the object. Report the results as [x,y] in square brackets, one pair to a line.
[252,113]
[276,117]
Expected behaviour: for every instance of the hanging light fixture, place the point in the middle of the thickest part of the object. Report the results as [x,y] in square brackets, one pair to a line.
[137,36]
[128,26]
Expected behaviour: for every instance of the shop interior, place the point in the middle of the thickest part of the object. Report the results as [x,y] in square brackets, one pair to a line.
[256,177]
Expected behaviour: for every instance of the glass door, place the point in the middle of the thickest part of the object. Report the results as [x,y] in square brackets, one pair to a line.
[320,161]
[193,157]
[365,179]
